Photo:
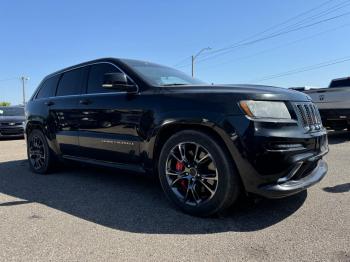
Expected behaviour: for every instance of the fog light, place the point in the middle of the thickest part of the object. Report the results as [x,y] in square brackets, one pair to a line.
[287,146]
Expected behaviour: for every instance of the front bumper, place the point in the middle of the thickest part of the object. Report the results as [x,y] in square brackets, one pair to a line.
[276,160]
[291,186]
[12,132]
[336,118]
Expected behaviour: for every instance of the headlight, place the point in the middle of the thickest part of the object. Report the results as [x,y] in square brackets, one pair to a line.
[265,109]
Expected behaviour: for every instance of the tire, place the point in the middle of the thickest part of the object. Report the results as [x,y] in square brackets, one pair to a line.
[195,192]
[40,157]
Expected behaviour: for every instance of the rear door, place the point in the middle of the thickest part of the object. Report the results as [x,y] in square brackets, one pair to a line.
[63,111]
[109,120]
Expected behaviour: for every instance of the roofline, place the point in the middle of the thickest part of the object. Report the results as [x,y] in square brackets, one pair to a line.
[342,78]
[106,59]
[118,62]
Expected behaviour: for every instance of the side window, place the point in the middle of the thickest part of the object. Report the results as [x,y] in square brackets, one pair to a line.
[48,88]
[70,83]
[96,75]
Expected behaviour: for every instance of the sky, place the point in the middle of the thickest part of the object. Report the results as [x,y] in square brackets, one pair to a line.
[267,38]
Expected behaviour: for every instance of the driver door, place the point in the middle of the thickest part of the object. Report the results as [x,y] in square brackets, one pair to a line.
[108,120]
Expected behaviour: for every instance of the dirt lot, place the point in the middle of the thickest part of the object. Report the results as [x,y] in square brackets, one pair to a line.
[89,214]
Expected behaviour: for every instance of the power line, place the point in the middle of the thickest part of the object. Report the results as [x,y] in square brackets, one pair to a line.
[304,69]
[285,30]
[321,14]
[270,28]
[275,35]
[278,34]
[277,47]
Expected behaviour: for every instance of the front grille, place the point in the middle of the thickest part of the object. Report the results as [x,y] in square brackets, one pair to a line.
[308,116]
[10,124]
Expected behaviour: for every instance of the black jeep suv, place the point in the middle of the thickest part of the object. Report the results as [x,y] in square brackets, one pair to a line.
[207,143]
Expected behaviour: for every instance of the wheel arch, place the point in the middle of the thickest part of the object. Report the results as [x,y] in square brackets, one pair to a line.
[36,125]
[30,126]
[214,131]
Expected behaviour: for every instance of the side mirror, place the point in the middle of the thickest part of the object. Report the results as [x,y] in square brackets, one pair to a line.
[118,81]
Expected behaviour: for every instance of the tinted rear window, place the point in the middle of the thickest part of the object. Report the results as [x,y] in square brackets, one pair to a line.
[70,83]
[340,83]
[96,76]
[48,88]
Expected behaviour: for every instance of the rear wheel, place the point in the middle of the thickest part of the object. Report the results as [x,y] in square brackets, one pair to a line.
[197,174]
[40,157]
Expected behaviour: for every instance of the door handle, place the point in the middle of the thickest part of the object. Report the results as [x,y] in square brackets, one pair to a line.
[49,103]
[85,102]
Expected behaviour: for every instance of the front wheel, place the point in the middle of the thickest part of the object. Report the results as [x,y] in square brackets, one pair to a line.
[197,174]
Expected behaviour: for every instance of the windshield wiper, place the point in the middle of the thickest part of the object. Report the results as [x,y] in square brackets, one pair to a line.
[174,84]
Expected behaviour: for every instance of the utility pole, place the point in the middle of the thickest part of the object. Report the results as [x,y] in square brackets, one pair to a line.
[195,56]
[192,66]
[24,79]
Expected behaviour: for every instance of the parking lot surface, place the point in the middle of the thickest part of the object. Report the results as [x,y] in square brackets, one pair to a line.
[90,214]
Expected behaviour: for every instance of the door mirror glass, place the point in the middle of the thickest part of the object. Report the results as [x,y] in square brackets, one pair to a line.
[118,81]
[114,80]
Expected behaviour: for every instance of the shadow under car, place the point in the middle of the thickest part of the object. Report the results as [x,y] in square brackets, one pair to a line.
[130,202]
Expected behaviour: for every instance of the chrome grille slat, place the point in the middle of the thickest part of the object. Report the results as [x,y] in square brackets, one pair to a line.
[318,115]
[314,114]
[308,115]
[301,114]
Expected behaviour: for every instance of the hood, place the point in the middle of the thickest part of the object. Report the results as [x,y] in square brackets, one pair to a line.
[258,92]
[14,119]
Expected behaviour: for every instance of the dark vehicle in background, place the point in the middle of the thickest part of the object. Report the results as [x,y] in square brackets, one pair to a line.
[208,144]
[12,121]
[333,103]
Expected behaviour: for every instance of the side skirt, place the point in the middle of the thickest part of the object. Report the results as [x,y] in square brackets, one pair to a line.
[132,168]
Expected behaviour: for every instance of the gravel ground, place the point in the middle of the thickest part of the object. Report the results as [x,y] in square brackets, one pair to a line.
[90,214]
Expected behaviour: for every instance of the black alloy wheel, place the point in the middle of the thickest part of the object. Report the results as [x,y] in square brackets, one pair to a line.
[197,173]
[191,173]
[40,158]
[37,154]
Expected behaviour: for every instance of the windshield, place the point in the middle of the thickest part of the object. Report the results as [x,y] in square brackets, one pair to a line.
[161,75]
[11,111]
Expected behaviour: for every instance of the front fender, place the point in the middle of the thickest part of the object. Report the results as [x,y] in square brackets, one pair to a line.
[170,123]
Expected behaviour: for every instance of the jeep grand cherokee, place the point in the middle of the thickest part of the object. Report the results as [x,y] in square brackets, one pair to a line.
[207,143]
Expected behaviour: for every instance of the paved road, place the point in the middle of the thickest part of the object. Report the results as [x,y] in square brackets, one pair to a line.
[86,214]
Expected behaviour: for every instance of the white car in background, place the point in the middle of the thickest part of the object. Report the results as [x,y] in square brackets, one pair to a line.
[333,103]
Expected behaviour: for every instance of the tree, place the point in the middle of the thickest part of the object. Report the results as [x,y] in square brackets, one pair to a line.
[5,103]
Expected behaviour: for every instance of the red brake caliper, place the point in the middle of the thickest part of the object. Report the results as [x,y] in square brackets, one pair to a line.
[180,166]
